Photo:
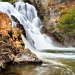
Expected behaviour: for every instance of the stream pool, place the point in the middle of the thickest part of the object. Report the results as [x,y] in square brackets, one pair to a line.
[44,69]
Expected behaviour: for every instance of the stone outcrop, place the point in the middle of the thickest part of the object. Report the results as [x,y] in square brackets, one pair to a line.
[27,56]
[12,48]
[48,12]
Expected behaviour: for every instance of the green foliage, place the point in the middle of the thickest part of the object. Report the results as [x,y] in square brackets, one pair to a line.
[8,0]
[67,22]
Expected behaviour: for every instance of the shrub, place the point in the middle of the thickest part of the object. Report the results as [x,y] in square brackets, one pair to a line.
[67,22]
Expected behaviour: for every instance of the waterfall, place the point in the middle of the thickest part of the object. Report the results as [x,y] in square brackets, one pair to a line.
[35,40]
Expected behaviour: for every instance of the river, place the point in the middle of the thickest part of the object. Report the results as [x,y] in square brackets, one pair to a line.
[57,60]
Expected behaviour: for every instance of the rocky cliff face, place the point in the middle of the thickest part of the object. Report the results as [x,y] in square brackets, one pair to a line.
[50,13]
[47,11]
[12,48]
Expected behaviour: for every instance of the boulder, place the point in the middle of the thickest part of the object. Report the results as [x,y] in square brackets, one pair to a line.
[27,56]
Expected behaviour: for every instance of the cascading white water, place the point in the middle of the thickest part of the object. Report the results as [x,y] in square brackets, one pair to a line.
[39,41]
[27,16]
[33,31]
[34,36]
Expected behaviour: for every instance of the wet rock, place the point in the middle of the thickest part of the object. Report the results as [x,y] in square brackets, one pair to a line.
[59,36]
[15,19]
[27,56]
[18,25]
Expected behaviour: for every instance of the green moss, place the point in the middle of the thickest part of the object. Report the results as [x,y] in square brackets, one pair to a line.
[5,40]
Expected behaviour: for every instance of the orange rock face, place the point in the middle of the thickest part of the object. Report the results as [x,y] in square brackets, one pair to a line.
[14,37]
[5,24]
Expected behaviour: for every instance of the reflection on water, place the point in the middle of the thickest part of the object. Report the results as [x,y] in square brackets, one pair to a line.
[44,69]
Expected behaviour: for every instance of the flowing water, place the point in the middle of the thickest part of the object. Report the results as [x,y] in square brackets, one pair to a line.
[57,60]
